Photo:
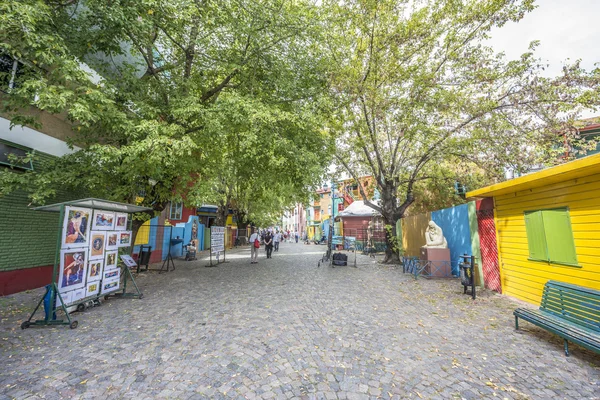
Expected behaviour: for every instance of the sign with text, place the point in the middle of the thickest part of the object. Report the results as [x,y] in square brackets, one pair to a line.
[217,239]
[129,261]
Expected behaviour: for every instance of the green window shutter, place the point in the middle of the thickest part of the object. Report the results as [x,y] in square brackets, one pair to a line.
[536,237]
[559,236]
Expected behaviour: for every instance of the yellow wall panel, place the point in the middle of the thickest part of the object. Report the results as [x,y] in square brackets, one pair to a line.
[413,233]
[525,279]
[143,234]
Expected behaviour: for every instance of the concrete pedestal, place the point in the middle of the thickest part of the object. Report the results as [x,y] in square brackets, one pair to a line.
[440,262]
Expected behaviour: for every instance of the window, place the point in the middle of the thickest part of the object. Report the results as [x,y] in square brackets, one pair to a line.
[7,153]
[175,211]
[11,72]
[550,236]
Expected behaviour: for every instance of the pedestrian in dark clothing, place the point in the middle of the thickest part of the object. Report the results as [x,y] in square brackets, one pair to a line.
[269,244]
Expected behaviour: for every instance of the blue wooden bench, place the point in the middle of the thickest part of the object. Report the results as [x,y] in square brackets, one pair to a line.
[572,312]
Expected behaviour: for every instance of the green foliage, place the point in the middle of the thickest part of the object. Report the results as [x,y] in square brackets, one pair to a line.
[197,101]
[419,94]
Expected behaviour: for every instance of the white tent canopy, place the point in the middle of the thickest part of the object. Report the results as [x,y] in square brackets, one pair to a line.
[359,209]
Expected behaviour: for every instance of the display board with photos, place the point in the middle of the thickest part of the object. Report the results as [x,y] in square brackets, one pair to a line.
[90,245]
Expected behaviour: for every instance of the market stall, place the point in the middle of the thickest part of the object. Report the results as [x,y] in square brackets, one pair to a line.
[93,235]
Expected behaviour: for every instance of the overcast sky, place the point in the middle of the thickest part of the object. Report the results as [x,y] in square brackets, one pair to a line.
[566,29]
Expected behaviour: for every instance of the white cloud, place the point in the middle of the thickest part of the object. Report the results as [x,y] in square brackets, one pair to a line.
[566,29]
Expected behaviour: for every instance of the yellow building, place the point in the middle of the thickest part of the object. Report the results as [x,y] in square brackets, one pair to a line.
[548,227]
[324,203]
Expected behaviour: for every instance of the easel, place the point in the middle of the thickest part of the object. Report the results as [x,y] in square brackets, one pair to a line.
[169,260]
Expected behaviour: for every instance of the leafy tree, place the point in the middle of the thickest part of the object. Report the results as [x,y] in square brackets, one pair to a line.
[417,88]
[178,79]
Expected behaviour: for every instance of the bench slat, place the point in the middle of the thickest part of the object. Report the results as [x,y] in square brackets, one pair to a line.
[574,315]
[570,311]
[589,302]
[584,315]
[575,288]
[558,323]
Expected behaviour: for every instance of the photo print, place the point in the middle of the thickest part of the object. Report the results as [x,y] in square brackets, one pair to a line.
[78,295]
[110,286]
[121,222]
[73,265]
[112,275]
[112,240]
[76,227]
[97,242]
[103,221]
[125,239]
[110,262]
[95,270]
[92,289]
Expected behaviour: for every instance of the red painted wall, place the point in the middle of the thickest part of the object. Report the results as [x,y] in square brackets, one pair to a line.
[24,279]
[186,212]
[356,226]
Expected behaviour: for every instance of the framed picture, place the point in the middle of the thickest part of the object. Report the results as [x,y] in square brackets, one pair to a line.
[125,239]
[98,241]
[110,286]
[76,227]
[110,261]
[95,270]
[67,298]
[112,240]
[73,265]
[121,222]
[103,221]
[92,289]
[111,275]
[78,295]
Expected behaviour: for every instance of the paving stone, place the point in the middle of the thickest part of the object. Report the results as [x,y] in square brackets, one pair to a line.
[285,328]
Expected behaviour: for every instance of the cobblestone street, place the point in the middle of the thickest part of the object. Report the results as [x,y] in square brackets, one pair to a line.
[285,328]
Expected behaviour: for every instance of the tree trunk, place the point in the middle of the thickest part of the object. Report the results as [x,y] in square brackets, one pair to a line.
[392,255]
[222,212]
[391,213]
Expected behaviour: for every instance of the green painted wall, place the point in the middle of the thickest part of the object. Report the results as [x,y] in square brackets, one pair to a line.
[475,244]
[399,236]
[27,238]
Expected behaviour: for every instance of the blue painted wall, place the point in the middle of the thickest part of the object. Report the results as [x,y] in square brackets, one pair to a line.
[184,231]
[454,222]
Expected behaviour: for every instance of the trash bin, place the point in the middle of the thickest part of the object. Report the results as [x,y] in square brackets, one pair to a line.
[47,298]
[144,256]
[467,275]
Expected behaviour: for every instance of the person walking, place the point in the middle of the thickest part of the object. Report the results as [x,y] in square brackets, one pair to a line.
[254,239]
[296,234]
[269,244]
[276,240]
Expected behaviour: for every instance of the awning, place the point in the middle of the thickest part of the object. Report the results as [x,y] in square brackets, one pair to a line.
[98,204]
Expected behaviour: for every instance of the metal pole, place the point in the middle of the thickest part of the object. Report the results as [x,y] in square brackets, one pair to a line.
[473,276]
[57,262]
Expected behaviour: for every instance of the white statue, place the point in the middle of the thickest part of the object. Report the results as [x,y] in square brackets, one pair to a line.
[434,237]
